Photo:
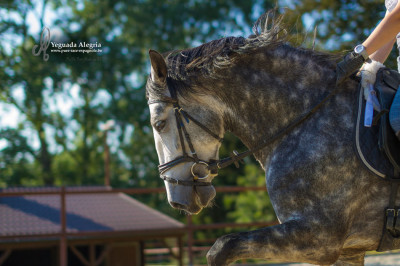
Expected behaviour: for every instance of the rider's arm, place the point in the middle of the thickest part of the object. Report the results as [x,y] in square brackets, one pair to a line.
[382,37]
[383,52]
[385,32]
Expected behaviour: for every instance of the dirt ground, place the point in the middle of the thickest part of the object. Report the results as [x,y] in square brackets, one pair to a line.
[388,259]
[385,259]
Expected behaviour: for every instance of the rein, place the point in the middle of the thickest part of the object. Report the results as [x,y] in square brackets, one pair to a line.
[214,165]
[236,157]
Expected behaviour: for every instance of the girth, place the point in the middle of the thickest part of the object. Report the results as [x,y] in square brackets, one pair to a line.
[385,87]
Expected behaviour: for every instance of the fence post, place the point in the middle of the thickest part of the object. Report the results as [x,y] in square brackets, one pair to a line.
[190,239]
[63,238]
[180,248]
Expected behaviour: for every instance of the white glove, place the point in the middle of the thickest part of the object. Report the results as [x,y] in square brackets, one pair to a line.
[368,75]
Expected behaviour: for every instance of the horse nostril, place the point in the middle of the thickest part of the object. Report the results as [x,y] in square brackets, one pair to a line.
[178,206]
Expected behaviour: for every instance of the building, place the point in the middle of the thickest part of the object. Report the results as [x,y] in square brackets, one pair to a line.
[79,226]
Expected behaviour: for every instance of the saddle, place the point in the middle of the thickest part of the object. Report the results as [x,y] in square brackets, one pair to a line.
[379,150]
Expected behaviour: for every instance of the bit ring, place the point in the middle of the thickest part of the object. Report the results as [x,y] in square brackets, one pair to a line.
[196,177]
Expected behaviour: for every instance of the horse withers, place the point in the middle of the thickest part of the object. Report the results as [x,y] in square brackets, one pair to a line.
[329,206]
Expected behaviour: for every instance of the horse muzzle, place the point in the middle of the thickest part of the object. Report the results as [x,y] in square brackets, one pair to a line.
[190,199]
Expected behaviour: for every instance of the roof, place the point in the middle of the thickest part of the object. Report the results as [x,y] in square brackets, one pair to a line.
[94,212]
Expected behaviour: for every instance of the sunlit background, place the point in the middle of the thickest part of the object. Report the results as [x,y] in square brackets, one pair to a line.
[53,113]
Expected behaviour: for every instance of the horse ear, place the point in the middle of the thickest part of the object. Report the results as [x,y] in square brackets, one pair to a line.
[158,67]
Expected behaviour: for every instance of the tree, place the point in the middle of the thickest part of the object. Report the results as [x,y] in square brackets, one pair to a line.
[341,25]
[107,85]
[22,71]
[64,100]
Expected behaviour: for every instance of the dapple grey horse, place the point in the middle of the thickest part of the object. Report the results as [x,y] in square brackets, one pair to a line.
[329,206]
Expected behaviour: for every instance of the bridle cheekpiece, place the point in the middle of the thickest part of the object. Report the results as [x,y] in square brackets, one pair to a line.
[181,117]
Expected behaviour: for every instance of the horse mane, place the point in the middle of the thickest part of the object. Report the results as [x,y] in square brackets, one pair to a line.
[222,52]
[186,67]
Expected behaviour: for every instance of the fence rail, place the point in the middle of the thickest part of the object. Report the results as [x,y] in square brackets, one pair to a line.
[63,235]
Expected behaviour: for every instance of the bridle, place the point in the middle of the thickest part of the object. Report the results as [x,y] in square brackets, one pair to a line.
[182,116]
[213,166]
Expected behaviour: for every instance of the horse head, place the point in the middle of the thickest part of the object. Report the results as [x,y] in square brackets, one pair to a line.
[187,134]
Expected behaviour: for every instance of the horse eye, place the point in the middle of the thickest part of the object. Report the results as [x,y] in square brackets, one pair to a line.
[159,125]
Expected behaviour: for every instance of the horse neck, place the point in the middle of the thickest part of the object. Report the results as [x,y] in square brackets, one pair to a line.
[270,91]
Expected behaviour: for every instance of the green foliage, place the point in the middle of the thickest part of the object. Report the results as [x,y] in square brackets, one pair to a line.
[340,24]
[343,22]
[54,145]
[67,147]
[15,165]
[251,206]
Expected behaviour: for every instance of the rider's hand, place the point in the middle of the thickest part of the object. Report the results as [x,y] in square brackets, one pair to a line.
[350,64]
[368,75]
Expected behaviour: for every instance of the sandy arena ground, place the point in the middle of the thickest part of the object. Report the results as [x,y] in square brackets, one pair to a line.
[389,259]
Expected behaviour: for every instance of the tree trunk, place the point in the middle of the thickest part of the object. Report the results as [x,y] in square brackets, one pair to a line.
[45,159]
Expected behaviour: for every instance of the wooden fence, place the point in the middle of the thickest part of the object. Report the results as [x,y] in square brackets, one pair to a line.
[191,248]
